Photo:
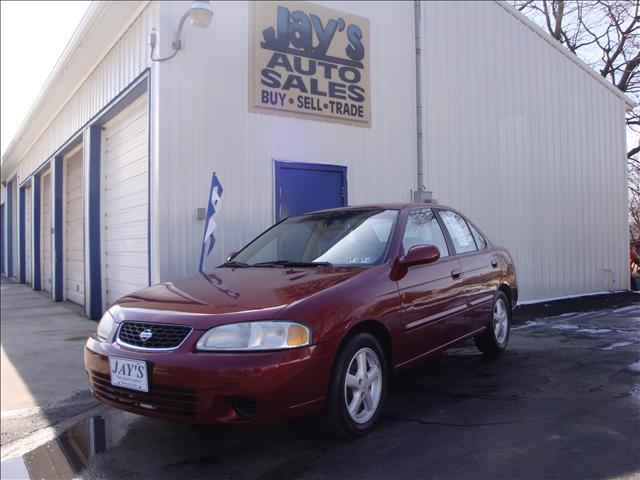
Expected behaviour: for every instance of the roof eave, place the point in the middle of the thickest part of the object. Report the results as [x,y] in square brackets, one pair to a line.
[629,102]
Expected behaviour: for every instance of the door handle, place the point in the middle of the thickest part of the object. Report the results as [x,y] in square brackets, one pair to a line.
[494,263]
[455,274]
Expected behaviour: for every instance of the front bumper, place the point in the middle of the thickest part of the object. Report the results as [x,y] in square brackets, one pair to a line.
[200,387]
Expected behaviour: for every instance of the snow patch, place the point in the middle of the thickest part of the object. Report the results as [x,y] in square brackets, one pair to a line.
[565,326]
[634,367]
[594,330]
[635,391]
[613,346]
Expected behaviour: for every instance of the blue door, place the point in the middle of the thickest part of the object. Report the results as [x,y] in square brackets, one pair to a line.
[304,187]
[2,238]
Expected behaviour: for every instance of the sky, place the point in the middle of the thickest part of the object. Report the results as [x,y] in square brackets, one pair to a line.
[33,36]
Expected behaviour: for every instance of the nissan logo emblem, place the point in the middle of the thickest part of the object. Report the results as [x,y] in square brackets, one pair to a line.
[146,335]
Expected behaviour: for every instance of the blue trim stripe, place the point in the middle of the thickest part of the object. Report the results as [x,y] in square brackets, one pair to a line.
[149,118]
[57,229]
[2,230]
[10,186]
[22,241]
[93,218]
[37,185]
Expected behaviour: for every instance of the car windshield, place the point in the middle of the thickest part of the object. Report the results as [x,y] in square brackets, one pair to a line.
[345,237]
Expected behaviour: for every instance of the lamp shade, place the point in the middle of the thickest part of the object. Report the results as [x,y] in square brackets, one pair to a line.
[201,13]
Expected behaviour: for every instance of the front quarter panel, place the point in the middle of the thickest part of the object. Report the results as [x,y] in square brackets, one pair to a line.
[331,313]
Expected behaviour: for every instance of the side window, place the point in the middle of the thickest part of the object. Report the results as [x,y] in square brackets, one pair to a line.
[422,228]
[459,231]
[480,241]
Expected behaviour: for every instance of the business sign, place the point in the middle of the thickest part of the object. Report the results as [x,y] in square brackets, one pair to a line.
[309,61]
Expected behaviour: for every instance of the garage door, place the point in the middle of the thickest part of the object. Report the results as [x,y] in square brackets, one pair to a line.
[125,202]
[45,232]
[27,235]
[74,228]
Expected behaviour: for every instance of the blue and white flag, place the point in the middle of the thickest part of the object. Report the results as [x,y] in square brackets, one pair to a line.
[209,240]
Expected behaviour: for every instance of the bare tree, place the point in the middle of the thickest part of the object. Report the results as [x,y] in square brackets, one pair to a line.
[606,35]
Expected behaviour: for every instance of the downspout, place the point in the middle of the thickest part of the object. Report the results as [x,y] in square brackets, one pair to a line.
[421,194]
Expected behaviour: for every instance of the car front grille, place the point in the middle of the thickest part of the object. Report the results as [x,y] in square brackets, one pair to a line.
[179,402]
[152,335]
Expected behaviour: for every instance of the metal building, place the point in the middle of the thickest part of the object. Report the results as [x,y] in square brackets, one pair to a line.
[300,104]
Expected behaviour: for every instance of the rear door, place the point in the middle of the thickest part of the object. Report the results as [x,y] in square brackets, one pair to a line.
[305,187]
[478,268]
[431,294]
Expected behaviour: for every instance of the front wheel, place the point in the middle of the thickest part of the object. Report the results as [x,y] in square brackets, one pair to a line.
[358,387]
[494,340]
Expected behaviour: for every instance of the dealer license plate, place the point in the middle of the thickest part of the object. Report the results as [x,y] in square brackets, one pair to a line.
[129,373]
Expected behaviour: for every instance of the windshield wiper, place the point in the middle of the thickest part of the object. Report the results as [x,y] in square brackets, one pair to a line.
[291,263]
[233,264]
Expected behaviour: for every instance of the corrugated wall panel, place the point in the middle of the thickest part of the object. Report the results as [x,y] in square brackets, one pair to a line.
[205,126]
[529,145]
[125,61]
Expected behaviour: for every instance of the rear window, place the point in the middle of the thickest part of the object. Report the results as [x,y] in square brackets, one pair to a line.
[481,243]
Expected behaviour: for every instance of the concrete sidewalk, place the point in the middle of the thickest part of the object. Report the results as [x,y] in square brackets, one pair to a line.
[42,374]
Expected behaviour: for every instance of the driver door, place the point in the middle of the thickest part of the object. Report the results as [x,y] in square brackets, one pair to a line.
[431,294]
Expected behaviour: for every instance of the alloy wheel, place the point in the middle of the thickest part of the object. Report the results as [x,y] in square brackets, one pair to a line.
[500,321]
[363,385]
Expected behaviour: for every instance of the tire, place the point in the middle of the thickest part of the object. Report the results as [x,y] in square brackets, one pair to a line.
[361,418]
[494,340]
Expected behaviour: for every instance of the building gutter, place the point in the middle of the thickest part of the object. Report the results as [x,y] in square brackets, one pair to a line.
[420,194]
[420,177]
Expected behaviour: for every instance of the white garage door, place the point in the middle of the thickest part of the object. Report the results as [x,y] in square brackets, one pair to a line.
[74,228]
[27,235]
[125,202]
[45,231]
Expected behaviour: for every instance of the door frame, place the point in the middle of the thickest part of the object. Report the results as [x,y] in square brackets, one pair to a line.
[280,165]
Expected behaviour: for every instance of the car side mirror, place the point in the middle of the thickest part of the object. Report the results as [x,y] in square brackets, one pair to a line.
[231,255]
[420,255]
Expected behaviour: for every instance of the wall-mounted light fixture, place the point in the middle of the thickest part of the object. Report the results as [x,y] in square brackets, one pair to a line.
[200,14]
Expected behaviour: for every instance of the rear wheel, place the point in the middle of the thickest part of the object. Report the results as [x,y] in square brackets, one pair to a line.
[494,340]
[358,387]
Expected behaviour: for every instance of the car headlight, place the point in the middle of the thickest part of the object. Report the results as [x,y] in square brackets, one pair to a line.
[105,326]
[252,336]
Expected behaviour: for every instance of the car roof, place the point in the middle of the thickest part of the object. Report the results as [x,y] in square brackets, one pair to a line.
[385,206]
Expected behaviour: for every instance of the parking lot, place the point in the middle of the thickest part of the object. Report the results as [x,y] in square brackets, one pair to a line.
[563,402]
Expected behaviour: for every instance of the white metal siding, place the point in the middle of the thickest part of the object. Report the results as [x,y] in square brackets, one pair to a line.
[529,145]
[125,202]
[27,234]
[128,58]
[205,126]
[74,228]
[45,232]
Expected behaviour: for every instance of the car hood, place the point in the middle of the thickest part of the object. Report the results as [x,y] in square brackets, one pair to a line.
[225,295]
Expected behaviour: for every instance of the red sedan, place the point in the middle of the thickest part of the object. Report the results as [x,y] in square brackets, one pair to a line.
[314,315]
